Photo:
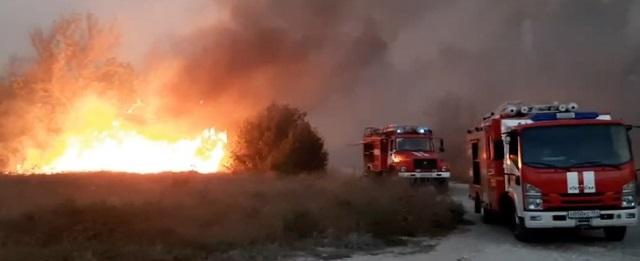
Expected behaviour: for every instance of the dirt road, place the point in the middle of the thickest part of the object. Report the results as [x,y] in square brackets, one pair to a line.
[492,242]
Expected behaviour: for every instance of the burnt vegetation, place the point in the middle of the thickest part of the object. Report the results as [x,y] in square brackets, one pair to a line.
[199,217]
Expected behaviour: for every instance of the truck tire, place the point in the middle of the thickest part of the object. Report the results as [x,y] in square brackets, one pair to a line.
[518,228]
[488,216]
[477,204]
[371,173]
[615,233]
[442,185]
[368,172]
[391,172]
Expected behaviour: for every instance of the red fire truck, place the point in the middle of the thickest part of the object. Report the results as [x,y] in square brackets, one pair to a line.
[404,151]
[552,166]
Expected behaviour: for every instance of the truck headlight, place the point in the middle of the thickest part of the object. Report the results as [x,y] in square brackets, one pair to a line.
[628,201]
[532,197]
[396,158]
[629,195]
[534,203]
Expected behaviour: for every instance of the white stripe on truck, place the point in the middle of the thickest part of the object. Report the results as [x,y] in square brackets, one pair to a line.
[588,177]
[572,183]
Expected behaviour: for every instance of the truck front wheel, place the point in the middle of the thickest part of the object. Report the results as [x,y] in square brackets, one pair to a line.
[488,216]
[477,204]
[615,233]
[518,228]
[443,184]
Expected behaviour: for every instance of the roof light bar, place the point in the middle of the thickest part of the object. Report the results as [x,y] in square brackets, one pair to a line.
[509,111]
[550,116]
[513,109]
[406,129]
[562,107]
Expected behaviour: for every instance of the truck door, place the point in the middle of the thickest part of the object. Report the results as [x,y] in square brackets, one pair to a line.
[512,171]
[384,154]
[475,162]
[369,156]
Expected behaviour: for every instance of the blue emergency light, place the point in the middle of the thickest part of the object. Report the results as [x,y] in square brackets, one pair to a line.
[418,129]
[564,116]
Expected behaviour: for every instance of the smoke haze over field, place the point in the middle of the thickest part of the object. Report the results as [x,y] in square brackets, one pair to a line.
[142,22]
[359,63]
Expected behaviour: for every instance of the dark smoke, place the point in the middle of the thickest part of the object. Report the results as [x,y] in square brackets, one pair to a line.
[440,63]
[298,52]
[359,63]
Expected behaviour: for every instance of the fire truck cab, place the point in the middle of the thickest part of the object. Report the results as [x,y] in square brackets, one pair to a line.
[404,151]
[552,166]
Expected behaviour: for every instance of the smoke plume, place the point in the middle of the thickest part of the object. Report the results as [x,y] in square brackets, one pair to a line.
[439,63]
[353,64]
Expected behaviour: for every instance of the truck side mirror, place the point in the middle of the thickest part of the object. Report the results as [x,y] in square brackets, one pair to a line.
[441,145]
[498,150]
[513,143]
[513,148]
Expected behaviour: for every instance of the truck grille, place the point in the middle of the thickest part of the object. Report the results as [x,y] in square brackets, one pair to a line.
[581,195]
[582,201]
[425,164]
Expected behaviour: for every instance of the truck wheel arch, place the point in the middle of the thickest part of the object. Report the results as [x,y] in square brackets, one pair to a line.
[507,204]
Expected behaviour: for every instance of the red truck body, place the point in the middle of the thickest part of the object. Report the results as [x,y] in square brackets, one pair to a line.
[404,151]
[550,166]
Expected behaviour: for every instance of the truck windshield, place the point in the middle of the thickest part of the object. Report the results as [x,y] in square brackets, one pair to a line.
[575,146]
[406,144]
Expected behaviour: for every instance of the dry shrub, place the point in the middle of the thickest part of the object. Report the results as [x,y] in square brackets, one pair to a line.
[279,139]
[194,216]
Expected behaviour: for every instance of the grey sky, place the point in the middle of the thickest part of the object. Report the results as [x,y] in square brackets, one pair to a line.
[142,22]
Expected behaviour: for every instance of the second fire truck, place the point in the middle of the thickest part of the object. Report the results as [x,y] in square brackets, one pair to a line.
[552,166]
[404,151]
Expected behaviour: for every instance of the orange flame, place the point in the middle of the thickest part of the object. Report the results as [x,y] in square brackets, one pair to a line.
[95,139]
[129,151]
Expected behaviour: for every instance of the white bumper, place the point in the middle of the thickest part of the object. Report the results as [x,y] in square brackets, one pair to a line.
[626,217]
[436,174]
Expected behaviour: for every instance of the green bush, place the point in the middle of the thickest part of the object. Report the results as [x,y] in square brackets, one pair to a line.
[279,139]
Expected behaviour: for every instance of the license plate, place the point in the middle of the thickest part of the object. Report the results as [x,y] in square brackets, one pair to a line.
[583,214]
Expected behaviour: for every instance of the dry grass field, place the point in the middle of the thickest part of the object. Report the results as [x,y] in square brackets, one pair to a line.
[109,216]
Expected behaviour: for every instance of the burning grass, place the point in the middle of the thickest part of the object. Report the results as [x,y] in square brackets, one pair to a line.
[189,216]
